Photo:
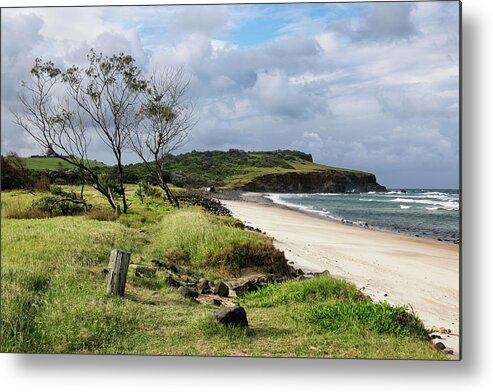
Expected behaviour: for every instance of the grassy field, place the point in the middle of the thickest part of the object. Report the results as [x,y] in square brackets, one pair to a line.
[53,297]
[48,163]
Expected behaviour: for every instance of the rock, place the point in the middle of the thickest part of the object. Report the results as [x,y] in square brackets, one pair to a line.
[204,286]
[144,272]
[172,281]
[235,315]
[157,263]
[187,292]
[440,346]
[221,289]
[217,302]
[435,337]
[448,351]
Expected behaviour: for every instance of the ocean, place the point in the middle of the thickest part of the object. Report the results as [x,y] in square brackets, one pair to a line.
[431,213]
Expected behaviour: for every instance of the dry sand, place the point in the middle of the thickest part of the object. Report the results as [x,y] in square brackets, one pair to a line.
[421,273]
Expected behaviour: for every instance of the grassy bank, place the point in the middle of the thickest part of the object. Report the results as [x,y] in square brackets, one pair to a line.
[53,297]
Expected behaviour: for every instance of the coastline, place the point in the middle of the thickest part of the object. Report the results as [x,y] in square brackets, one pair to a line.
[420,272]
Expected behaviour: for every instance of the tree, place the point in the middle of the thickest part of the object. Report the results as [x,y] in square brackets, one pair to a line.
[165,119]
[105,96]
[108,92]
[54,125]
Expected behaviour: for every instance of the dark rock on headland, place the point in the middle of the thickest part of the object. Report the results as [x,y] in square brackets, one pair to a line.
[331,181]
[235,315]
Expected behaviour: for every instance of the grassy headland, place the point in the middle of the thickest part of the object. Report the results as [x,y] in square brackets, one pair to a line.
[53,297]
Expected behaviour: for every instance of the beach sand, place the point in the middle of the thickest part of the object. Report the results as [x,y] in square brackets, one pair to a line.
[418,272]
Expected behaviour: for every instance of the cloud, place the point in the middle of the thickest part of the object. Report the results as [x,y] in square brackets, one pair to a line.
[370,87]
[391,22]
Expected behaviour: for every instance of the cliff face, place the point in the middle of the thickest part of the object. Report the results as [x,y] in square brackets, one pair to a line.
[330,181]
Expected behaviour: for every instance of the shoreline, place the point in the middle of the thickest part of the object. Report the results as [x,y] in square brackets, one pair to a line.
[260,198]
[388,266]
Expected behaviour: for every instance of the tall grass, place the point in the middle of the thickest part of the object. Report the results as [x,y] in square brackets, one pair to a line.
[320,288]
[212,244]
[357,317]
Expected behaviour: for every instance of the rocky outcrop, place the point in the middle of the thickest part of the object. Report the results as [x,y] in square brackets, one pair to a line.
[330,181]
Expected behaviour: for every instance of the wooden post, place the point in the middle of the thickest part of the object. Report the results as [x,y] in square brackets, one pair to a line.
[117,275]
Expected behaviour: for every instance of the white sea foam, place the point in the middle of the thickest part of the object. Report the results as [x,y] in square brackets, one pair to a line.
[405,207]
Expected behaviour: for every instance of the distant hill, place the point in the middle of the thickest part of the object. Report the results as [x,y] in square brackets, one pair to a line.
[234,168]
[50,163]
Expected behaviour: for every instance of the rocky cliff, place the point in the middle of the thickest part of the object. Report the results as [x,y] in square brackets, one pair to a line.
[330,181]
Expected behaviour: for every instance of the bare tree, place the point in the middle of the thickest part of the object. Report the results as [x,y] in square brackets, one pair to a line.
[108,92]
[165,119]
[54,126]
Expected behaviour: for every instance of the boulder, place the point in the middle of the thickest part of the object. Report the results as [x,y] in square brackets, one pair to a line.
[204,287]
[440,346]
[217,302]
[235,315]
[221,289]
[187,292]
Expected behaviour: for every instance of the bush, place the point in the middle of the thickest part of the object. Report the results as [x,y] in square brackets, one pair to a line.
[42,183]
[320,288]
[55,205]
[357,317]
[14,174]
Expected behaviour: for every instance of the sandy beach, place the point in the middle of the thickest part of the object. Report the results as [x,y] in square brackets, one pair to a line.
[418,272]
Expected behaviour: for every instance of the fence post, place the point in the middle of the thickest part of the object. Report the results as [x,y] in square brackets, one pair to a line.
[117,275]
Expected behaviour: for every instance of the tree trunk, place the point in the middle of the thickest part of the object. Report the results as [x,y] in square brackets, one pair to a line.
[117,275]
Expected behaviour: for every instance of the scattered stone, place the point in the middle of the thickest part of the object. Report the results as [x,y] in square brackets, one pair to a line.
[157,263]
[144,272]
[217,302]
[172,281]
[440,346]
[204,200]
[448,351]
[435,337]
[204,287]
[385,295]
[187,292]
[441,330]
[221,289]
[235,315]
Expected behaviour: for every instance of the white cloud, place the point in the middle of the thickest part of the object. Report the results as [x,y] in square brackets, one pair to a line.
[371,91]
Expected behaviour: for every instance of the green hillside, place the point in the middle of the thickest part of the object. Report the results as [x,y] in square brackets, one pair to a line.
[49,163]
[231,168]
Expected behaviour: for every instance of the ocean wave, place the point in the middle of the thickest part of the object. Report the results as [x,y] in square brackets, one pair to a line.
[405,207]
[276,198]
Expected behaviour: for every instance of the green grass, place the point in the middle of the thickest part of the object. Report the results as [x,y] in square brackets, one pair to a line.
[48,163]
[320,288]
[355,317]
[53,297]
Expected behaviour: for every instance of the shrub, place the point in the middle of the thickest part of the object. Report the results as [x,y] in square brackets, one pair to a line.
[320,288]
[357,317]
[55,205]
[42,183]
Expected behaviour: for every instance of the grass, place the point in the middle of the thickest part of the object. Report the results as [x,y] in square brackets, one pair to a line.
[320,288]
[53,297]
[212,245]
[48,163]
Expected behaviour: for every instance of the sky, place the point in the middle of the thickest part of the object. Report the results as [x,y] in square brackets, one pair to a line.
[368,86]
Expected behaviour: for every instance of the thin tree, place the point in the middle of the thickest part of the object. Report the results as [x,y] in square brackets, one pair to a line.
[108,92]
[54,125]
[164,121]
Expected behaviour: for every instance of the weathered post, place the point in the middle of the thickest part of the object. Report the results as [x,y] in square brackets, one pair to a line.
[117,275]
